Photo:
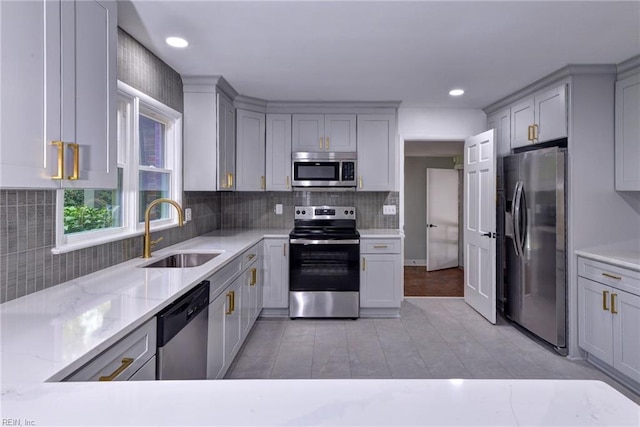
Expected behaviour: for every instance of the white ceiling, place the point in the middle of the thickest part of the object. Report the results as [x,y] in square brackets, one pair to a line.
[414,51]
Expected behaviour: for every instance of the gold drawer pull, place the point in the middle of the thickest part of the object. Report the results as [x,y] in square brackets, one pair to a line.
[380,246]
[605,296]
[254,276]
[613,303]
[59,146]
[233,301]
[124,365]
[612,276]
[229,303]
[76,161]
[251,256]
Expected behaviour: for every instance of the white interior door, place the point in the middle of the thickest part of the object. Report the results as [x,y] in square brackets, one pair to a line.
[479,217]
[442,219]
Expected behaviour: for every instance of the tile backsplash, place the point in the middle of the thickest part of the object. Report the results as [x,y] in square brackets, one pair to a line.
[27,235]
[257,209]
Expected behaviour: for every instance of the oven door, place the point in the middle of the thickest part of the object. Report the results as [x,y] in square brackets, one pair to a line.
[324,265]
[308,173]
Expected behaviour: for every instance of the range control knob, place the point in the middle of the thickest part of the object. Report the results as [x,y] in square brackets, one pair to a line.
[351,212]
[346,212]
[298,212]
[304,212]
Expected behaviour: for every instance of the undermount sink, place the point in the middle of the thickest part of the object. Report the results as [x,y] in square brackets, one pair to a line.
[183,260]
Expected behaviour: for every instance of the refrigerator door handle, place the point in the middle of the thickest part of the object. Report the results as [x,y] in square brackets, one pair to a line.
[517,241]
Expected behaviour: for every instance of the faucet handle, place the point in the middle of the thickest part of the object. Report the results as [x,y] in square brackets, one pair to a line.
[154,242]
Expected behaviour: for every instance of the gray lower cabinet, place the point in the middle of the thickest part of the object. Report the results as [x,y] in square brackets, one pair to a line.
[276,274]
[131,358]
[380,277]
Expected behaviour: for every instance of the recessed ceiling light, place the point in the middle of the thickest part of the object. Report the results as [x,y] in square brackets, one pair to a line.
[456,92]
[177,42]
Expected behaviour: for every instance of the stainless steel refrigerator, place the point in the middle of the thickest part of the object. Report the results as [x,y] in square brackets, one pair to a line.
[535,280]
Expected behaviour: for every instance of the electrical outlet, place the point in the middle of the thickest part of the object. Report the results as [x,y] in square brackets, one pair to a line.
[187,214]
[279,209]
[389,209]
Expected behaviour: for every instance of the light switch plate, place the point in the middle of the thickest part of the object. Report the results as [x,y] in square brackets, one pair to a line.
[187,214]
[279,209]
[389,209]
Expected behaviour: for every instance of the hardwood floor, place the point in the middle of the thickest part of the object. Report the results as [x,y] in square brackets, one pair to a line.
[418,282]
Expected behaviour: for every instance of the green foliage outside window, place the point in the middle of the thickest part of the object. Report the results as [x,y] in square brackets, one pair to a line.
[79,217]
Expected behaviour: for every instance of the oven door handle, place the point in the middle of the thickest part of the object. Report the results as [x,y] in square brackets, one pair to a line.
[324,242]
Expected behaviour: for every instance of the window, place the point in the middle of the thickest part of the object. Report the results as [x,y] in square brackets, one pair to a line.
[149,142]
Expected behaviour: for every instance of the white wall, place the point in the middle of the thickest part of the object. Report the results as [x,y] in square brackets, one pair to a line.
[433,124]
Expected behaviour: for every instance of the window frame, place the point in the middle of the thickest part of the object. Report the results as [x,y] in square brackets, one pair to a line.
[128,158]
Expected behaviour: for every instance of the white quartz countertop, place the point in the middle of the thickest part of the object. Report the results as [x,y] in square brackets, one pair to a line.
[47,335]
[622,254]
[324,402]
[379,233]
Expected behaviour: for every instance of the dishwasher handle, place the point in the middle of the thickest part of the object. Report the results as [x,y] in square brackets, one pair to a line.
[176,316]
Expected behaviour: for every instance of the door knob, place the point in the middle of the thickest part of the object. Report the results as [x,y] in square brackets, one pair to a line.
[431,225]
[489,235]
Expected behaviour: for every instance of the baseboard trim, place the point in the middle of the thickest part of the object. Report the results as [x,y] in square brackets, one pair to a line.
[415,263]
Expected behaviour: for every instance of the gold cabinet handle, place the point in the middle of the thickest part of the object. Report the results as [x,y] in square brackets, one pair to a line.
[254,277]
[321,143]
[123,365]
[364,263]
[288,181]
[262,183]
[226,184]
[605,297]
[612,276]
[535,132]
[251,256]
[230,180]
[613,303]
[380,246]
[530,133]
[60,147]
[233,301]
[76,161]
[326,144]
[284,248]
[360,181]
[229,302]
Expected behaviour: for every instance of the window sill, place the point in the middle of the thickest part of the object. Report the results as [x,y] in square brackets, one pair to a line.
[74,246]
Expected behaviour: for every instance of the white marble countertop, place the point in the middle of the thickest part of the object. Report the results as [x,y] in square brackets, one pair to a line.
[622,254]
[324,402]
[379,233]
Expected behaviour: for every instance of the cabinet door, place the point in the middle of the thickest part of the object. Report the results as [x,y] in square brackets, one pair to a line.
[551,114]
[250,161]
[522,117]
[250,289]
[30,101]
[501,122]
[147,372]
[215,337]
[625,310]
[233,320]
[340,132]
[276,273]
[226,144]
[200,152]
[89,48]
[278,167]
[595,327]
[627,134]
[308,132]
[376,152]
[380,280]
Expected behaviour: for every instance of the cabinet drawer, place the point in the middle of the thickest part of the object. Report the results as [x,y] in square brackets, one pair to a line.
[120,361]
[380,246]
[252,255]
[223,278]
[616,277]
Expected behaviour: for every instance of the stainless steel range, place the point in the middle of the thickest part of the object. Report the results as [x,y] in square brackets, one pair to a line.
[324,273]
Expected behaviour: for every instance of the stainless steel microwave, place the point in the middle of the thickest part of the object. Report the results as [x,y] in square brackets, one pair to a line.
[323,169]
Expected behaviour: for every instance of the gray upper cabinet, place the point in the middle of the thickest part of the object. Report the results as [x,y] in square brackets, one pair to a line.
[58,122]
[540,118]
[278,156]
[226,144]
[501,122]
[627,134]
[376,152]
[324,132]
[250,159]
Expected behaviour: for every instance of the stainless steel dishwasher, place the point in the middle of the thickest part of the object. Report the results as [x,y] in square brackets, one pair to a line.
[182,336]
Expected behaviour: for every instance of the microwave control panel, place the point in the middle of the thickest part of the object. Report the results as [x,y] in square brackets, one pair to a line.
[348,171]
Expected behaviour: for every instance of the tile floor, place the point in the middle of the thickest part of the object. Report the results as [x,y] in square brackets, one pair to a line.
[434,338]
